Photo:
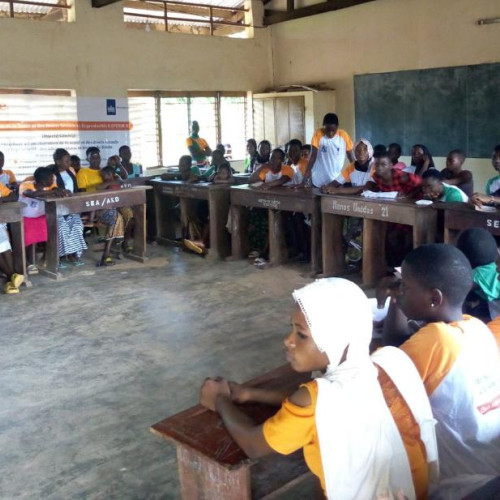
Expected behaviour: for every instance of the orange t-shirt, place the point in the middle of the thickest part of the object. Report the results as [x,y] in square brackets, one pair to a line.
[7,174]
[494,326]
[294,427]
[267,175]
[4,191]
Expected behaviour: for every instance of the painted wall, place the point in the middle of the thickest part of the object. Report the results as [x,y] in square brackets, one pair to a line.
[97,56]
[385,35]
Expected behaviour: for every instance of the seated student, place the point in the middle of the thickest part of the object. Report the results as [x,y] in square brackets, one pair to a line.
[220,147]
[379,150]
[493,185]
[14,280]
[341,420]
[34,220]
[435,189]
[353,178]
[7,177]
[187,171]
[119,222]
[70,227]
[421,160]
[263,154]
[224,175]
[295,160]
[274,173]
[394,152]
[217,160]
[133,170]
[387,179]
[456,356]
[252,155]
[75,163]
[480,248]
[453,174]
[115,163]
[89,178]
[306,151]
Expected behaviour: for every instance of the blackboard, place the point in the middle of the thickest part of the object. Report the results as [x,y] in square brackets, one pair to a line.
[443,108]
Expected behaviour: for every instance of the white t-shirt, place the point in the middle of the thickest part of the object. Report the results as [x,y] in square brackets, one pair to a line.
[68,181]
[331,155]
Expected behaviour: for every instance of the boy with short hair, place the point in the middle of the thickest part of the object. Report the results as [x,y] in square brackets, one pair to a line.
[329,148]
[274,173]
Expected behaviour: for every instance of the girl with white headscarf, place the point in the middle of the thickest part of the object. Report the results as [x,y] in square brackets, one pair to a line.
[341,420]
[353,178]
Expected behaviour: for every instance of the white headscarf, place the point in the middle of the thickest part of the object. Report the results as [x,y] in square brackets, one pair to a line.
[368,145]
[362,452]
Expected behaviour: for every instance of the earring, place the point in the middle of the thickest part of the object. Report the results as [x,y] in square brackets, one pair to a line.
[432,305]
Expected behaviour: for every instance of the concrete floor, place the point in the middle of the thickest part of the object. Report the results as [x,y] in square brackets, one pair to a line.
[91,361]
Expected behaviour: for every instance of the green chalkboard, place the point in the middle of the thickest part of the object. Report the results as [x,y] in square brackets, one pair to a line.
[443,108]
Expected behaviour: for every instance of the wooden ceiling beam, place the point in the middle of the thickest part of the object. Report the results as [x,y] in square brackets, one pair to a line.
[274,17]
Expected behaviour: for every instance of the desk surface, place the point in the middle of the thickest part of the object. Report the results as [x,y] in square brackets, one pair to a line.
[11,211]
[203,430]
[401,210]
[281,198]
[460,216]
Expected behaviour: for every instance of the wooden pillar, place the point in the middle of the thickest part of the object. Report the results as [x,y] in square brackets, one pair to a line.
[331,241]
[374,263]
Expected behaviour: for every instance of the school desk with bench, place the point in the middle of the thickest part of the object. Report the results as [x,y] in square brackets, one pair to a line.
[189,194]
[213,467]
[375,214]
[276,201]
[77,203]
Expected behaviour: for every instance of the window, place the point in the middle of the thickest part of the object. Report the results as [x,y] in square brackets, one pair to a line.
[161,123]
[46,10]
[207,17]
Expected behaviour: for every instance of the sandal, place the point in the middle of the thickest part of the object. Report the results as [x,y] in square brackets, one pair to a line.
[32,269]
[191,245]
[63,264]
[78,263]
[17,280]
[10,289]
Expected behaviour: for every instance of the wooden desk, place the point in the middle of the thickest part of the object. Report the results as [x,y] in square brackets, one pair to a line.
[460,216]
[277,201]
[213,467]
[98,200]
[11,213]
[241,179]
[375,215]
[217,196]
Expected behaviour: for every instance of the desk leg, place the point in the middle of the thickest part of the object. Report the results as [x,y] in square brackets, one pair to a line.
[52,245]
[203,479]
[277,243]
[218,206]
[239,231]
[425,228]
[331,240]
[18,250]
[316,238]
[374,263]
[139,253]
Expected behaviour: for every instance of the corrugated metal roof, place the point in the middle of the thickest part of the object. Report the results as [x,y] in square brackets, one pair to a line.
[219,3]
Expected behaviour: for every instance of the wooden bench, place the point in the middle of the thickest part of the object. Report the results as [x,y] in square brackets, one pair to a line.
[277,201]
[213,467]
[375,214]
[11,213]
[217,196]
[87,202]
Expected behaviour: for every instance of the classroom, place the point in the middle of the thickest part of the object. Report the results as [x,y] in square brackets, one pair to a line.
[131,319]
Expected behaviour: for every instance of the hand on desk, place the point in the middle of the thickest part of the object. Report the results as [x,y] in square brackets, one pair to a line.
[212,388]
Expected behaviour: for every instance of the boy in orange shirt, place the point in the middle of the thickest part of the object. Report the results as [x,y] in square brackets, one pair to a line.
[7,177]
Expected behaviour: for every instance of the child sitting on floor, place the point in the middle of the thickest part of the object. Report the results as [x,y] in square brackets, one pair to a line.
[272,174]
[480,248]
[435,189]
[14,280]
[357,454]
